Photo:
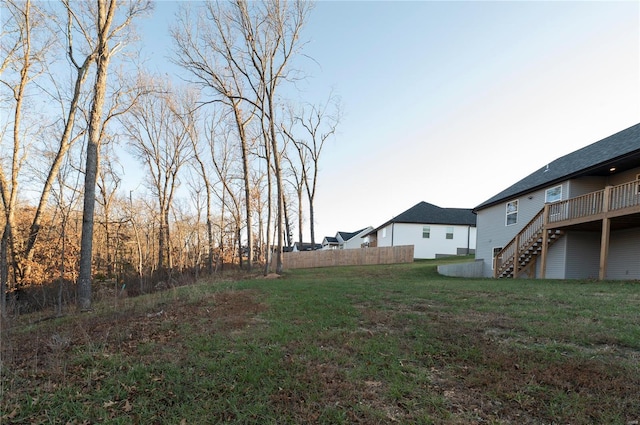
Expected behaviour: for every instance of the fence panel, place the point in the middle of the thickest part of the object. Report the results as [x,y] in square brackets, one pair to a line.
[348,257]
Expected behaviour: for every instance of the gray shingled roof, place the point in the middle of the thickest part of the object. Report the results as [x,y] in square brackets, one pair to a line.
[348,235]
[426,213]
[621,149]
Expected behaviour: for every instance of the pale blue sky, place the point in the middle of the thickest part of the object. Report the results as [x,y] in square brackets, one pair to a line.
[451,102]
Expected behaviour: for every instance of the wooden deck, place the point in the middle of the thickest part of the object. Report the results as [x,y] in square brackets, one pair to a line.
[613,207]
[610,202]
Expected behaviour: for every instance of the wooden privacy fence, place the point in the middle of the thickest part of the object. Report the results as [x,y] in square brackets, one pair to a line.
[348,257]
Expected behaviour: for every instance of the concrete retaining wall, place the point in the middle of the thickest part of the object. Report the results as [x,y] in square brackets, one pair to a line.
[473,269]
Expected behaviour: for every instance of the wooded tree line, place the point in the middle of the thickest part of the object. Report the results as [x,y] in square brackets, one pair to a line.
[230,161]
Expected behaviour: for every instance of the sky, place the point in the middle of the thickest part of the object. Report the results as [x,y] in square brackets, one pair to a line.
[451,102]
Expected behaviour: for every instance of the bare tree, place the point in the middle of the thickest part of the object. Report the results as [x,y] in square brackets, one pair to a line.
[223,158]
[209,55]
[317,124]
[272,36]
[23,59]
[298,161]
[241,51]
[108,183]
[80,62]
[107,30]
[202,169]
[161,140]
[66,192]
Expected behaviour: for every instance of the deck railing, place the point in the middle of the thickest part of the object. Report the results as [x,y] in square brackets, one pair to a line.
[611,198]
[624,196]
[578,207]
[588,207]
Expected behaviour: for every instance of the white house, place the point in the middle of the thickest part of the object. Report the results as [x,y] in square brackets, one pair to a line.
[346,240]
[433,231]
[577,217]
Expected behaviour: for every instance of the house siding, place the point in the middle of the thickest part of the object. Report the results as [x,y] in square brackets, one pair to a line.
[493,231]
[619,178]
[437,243]
[555,261]
[583,255]
[356,241]
[624,255]
[585,185]
[577,254]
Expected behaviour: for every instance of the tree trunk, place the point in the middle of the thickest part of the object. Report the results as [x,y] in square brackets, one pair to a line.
[93,150]
[312,227]
[279,185]
[4,271]
[300,215]
[247,186]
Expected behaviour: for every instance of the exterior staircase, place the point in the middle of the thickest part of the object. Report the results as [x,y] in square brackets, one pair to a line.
[548,226]
[521,253]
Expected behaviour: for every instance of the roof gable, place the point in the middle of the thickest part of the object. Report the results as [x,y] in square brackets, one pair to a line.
[349,235]
[426,213]
[621,149]
[330,239]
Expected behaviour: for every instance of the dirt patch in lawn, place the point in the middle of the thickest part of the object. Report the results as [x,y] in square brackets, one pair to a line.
[41,351]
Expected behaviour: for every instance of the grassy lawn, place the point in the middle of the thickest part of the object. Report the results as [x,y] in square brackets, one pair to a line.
[371,345]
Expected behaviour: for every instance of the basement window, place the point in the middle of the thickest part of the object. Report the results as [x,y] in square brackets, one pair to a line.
[512,212]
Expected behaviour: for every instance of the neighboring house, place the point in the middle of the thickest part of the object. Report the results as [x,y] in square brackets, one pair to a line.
[433,231]
[330,242]
[305,246]
[346,240]
[576,218]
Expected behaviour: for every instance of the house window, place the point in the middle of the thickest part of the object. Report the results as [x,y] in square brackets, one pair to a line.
[426,232]
[449,232]
[384,232]
[512,212]
[554,194]
[496,250]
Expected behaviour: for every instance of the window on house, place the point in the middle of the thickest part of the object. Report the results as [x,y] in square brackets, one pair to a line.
[384,232]
[426,232]
[554,194]
[496,250]
[512,212]
[449,232]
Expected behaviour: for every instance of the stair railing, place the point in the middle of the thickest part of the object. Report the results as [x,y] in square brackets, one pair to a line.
[519,243]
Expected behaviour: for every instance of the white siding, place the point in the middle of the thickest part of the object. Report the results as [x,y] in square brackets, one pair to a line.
[411,234]
[357,241]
